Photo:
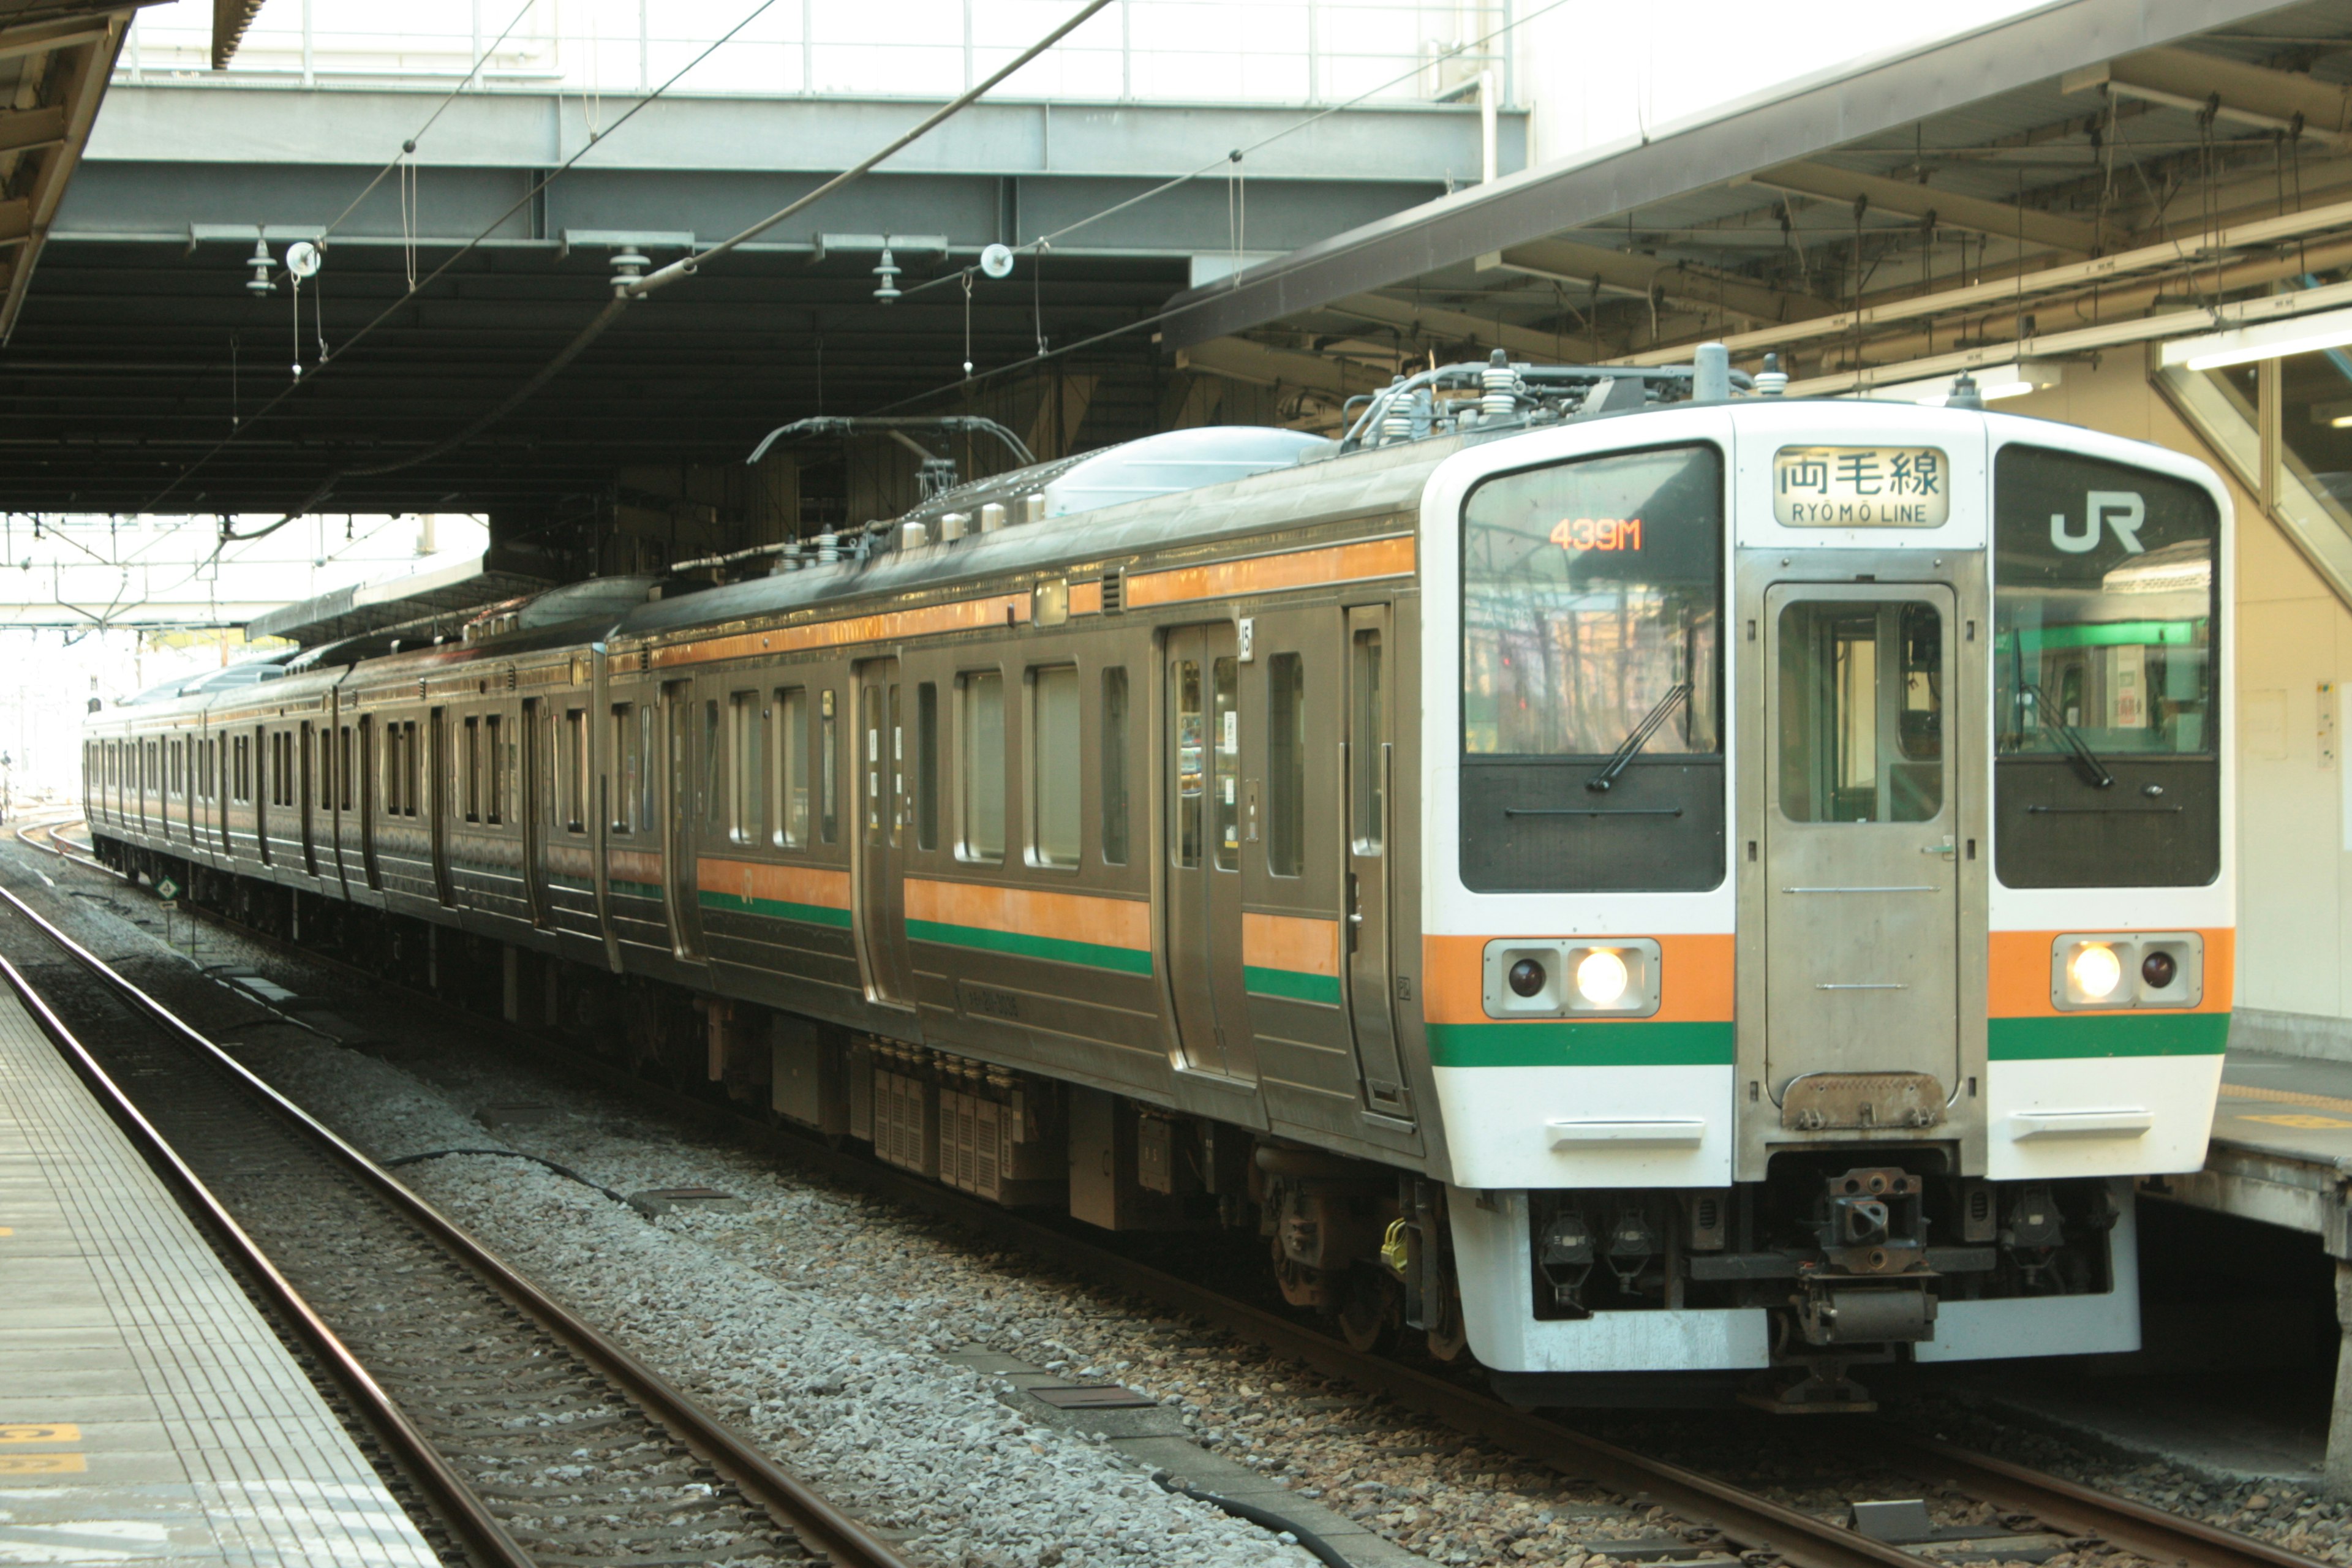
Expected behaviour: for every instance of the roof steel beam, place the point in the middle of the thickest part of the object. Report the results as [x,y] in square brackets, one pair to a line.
[2019,51]
[1908,198]
[1424,321]
[1238,359]
[1572,261]
[2033,285]
[2244,94]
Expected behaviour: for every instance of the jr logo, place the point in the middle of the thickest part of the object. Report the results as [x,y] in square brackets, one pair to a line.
[2123,510]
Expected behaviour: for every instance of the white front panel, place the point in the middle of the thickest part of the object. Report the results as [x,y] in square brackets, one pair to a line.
[2050,1325]
[2028,1104]
[1504,1135]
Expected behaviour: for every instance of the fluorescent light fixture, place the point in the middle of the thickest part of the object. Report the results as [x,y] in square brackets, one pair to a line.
[1994,381]
[2271,340]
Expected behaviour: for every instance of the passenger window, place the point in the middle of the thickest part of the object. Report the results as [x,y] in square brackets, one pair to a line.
[828,761]
[979,747]
[1054,765]
[1114,766]
[628,764]
[1285,764]
[791,767]
[749,790]
[927,765]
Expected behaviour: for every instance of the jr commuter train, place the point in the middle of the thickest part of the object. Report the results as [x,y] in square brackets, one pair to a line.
[1617,872]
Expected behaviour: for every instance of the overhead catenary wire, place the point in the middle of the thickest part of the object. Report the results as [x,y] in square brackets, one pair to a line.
[456,256]
[625,294]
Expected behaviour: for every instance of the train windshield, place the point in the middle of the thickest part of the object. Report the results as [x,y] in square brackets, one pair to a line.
[1590,595]
[2104,608]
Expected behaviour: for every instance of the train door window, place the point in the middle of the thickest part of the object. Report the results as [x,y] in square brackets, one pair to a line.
[1054,765]
[574,761]
[1365,754]
[344,768]
[927,765]
[980,759]
[1285,764]
[747,718]
[1862,712]
[1192,770]
[628,768]
[413,784]
[392,773]
[473,766]
[1114,765]
[828,761]
[792,768]
[244,790]
[495,763]
[713,781]
[1226,792]
[649,807]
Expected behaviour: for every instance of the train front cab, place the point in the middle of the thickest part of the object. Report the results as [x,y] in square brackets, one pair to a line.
[1828,912]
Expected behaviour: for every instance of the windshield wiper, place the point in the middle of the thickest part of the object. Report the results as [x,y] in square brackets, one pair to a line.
[2095,772]
[1642,733]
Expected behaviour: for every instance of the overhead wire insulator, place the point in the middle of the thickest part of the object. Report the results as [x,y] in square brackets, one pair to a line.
[259,285]
[885,293]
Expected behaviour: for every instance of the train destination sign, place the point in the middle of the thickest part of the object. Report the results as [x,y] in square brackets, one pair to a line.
[1861,487]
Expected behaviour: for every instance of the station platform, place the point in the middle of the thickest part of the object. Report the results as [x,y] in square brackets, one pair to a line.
[148,1413]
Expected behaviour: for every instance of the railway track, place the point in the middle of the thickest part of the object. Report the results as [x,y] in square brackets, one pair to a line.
[2038,1513]
[541,1443]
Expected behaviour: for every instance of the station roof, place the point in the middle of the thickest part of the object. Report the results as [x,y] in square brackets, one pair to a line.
[2082,163]
[54,58]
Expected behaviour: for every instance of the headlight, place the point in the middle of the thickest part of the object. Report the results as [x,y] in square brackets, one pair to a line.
[2095,972]
[2109,971]
[1601,978]
[1569,977]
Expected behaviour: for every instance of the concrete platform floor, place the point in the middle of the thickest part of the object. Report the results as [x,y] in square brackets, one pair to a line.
[148,1413]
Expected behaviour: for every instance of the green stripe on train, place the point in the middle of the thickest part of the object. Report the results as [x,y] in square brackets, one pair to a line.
[625,890]
[1126,960]
[2107,1035]
[776,908]
[1293,984]
[1615,1042]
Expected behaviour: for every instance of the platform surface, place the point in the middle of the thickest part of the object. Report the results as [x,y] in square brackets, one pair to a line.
[2296,1107]
[148,1413]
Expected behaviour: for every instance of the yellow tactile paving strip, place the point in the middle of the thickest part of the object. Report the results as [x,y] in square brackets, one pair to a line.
[2284,1097]
[148,1414]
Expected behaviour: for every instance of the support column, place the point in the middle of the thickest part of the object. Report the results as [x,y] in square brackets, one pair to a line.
[2338,1475]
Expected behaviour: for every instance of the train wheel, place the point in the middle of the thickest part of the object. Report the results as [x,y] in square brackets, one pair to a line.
[1368,1318]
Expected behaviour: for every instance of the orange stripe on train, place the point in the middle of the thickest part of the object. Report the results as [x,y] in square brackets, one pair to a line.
[1289,942]
[2018,975]
[1695,974]
[1068,917]
[820,886]
[1272,573]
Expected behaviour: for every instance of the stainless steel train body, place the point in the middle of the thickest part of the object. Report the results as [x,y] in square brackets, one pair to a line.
[1727,885]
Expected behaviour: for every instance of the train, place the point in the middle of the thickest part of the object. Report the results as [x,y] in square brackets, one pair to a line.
[1619,874]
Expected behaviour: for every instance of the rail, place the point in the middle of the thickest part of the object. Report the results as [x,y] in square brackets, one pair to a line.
[1747,1521]
[826,1530]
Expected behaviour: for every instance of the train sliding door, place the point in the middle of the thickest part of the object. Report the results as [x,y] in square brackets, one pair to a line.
[883,821]
[1863,894]
[1369,772]
[1201,780]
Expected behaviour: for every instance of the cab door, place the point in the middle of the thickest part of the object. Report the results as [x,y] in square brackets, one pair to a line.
[1862,807]
[1201,787]
[884,817]
[1369,774]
